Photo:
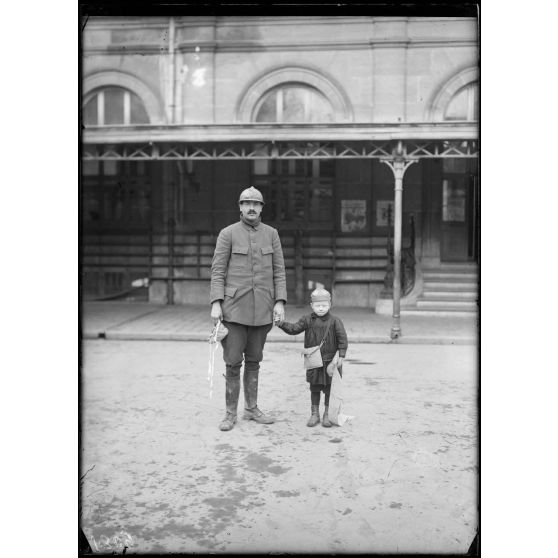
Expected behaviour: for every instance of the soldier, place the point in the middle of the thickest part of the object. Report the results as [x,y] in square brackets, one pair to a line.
[248,290]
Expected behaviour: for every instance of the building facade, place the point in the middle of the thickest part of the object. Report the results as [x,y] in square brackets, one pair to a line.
[361,132]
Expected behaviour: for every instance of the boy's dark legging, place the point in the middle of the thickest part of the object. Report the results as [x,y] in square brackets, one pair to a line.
[315,394]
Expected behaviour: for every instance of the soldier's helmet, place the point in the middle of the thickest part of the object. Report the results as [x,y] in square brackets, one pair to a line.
[251,194]
[320,295]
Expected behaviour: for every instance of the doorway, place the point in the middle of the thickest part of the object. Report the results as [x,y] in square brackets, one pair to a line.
[460,195]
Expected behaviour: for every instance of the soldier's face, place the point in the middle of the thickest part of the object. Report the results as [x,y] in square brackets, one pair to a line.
[250,210]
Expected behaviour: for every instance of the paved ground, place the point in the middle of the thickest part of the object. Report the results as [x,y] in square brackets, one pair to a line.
[142,320]
[401,477]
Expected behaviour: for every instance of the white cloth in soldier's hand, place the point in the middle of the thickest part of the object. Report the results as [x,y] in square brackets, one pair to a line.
[218,333]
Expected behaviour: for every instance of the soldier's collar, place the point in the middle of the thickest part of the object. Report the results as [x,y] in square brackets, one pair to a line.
[249,226]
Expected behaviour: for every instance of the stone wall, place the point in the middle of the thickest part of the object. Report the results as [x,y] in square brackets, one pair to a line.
[387,69]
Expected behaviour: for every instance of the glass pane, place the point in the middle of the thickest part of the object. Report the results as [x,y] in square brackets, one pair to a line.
[320,205]
[284,209]
[465,104]
[90,168]
[327,167]
[293,105]
[299,104]
[475,95]
[302,167]
[138,114]
[319,109]
[457,108]
[281,166]
[141,169]
[89,114]
[454,165]
[453,201]
[110,168]
[269,193]
[139,205]
[297,204]
[91,205]
[268,109]
[261,166]
[114,106]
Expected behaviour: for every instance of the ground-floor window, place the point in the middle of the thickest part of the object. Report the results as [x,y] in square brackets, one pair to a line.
[116,193]
[296,191]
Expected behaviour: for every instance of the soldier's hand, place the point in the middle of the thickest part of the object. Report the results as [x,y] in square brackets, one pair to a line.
[279,311]
[340,362]
[277,320]
[216,312]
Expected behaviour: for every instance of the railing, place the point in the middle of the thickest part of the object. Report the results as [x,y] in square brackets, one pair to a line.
[408,261]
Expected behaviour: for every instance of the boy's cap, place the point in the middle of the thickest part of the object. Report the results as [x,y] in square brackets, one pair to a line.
[320,295]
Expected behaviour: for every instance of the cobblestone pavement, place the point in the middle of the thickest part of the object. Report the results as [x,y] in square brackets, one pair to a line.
[400,477]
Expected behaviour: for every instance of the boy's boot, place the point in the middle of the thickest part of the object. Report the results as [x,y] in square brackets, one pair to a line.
[251,411]
[232,392]
[315,416]
[325,421]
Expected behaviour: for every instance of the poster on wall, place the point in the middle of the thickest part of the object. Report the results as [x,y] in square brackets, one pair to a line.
[353,216]
[383,210]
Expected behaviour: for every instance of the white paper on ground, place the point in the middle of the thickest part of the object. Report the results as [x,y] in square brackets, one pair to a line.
[342,419]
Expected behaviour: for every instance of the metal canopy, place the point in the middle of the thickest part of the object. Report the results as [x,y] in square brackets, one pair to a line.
[407,149]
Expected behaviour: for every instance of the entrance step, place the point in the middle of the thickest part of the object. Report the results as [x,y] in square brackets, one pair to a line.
[436,276]
[448,289]
[450,295]
[448,304]
[437,312]
[444,286]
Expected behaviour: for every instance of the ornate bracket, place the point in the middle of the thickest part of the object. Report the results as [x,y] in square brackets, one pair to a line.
[399,163]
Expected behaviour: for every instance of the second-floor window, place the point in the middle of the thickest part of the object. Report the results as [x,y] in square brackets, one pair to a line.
[293,103]
[464,105]
[114,105]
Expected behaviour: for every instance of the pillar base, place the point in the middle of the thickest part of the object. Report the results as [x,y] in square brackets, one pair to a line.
[395,332]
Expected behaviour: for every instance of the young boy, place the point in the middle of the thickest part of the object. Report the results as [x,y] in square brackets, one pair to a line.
[316,325]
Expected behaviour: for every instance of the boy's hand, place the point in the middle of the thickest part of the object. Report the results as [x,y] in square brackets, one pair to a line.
[277,320]
[336,363]
[279,311]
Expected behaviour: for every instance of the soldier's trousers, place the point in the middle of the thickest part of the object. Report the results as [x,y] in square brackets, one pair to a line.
[243,343]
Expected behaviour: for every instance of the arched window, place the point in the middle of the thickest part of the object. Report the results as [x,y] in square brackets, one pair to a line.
[293,103]
[464,105]
[114,105]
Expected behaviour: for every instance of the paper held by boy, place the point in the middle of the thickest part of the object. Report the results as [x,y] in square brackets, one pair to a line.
[336,416]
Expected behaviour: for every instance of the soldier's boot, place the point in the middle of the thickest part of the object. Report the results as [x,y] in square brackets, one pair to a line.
[232,391]
[325,420]
[314,417]
[251,411]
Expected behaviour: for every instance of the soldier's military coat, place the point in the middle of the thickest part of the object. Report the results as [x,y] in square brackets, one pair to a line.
[248,273]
